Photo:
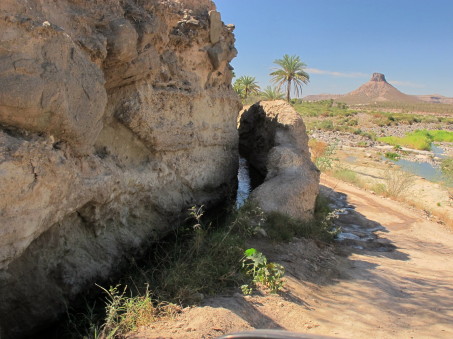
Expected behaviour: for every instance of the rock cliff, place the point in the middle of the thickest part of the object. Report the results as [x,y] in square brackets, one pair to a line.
[272,137]
[115,117]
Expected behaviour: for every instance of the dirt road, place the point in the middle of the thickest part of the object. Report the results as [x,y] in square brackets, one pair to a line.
[390,277]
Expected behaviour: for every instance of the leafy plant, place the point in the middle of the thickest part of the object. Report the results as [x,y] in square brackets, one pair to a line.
[325,161]
[261,271]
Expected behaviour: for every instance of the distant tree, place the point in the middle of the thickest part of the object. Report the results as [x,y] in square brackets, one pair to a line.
[246,85]
[272,93]
[290,71]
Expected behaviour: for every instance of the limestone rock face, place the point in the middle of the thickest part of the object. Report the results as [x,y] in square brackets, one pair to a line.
[115,117]
[272,137]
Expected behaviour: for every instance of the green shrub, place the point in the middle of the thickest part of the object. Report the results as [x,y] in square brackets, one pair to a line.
[392,156]
[261,271]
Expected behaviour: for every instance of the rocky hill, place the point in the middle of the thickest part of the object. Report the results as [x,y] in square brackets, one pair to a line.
[379,90]
[115,118]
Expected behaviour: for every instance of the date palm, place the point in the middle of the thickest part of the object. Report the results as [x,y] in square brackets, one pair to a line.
[290,71]
[246,85]
[272,93]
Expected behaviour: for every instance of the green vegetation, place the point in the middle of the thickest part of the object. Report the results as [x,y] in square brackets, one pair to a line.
[411,107]
[271,93]
[281,227]
[446,167]
[420,139]
[269,274]
[322,154]
[199,259]
[347,175]
[290,71]
[245,86]
[392,155]
[324,108]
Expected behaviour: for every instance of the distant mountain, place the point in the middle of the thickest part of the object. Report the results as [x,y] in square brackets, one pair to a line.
[378,90]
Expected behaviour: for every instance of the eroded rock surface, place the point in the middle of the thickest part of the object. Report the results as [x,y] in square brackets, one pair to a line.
[115,117]
[272,137]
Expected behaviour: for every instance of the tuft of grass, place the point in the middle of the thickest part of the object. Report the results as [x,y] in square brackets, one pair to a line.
[281,227]
[126,313]
[347,175]
[392,155]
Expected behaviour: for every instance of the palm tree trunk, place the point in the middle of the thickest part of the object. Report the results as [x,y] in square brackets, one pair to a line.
[288,91]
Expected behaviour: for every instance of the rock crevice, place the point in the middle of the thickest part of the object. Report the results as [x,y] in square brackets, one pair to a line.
[114,119]
[273,139]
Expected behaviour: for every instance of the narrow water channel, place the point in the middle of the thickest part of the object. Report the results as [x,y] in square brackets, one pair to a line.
[244,183]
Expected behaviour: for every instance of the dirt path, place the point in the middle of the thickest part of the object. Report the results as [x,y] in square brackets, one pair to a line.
[391,277]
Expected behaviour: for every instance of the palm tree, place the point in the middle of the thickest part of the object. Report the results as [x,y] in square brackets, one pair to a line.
[291,70]
[246,85]
[272,93]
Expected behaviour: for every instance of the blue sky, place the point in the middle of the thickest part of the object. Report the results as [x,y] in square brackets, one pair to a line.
[344,41]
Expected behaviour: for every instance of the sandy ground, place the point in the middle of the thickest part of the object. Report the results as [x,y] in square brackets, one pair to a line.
[392,278]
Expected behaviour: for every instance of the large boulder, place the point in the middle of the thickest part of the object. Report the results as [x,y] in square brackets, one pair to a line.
[272,137]
[115,118]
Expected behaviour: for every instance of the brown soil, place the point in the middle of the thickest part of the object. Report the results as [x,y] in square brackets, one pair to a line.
[396,284]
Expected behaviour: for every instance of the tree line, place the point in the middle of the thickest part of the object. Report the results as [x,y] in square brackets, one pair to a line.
[289,74]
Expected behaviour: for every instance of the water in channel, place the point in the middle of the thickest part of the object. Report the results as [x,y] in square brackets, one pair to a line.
[244,184]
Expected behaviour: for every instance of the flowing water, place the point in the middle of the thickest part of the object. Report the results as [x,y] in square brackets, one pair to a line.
[244,184]
[425,169]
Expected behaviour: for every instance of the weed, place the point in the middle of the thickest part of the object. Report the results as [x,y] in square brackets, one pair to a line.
[446,167]
[379,188]
[397,182]
[392,156]
[322,154]
[261,271]
[346,174]
[126,313]
[362,144]
[281,227]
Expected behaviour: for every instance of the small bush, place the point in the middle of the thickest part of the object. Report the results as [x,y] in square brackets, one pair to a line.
[261,271]
[322,154]
[392,156]
[362,144]
[397,182]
